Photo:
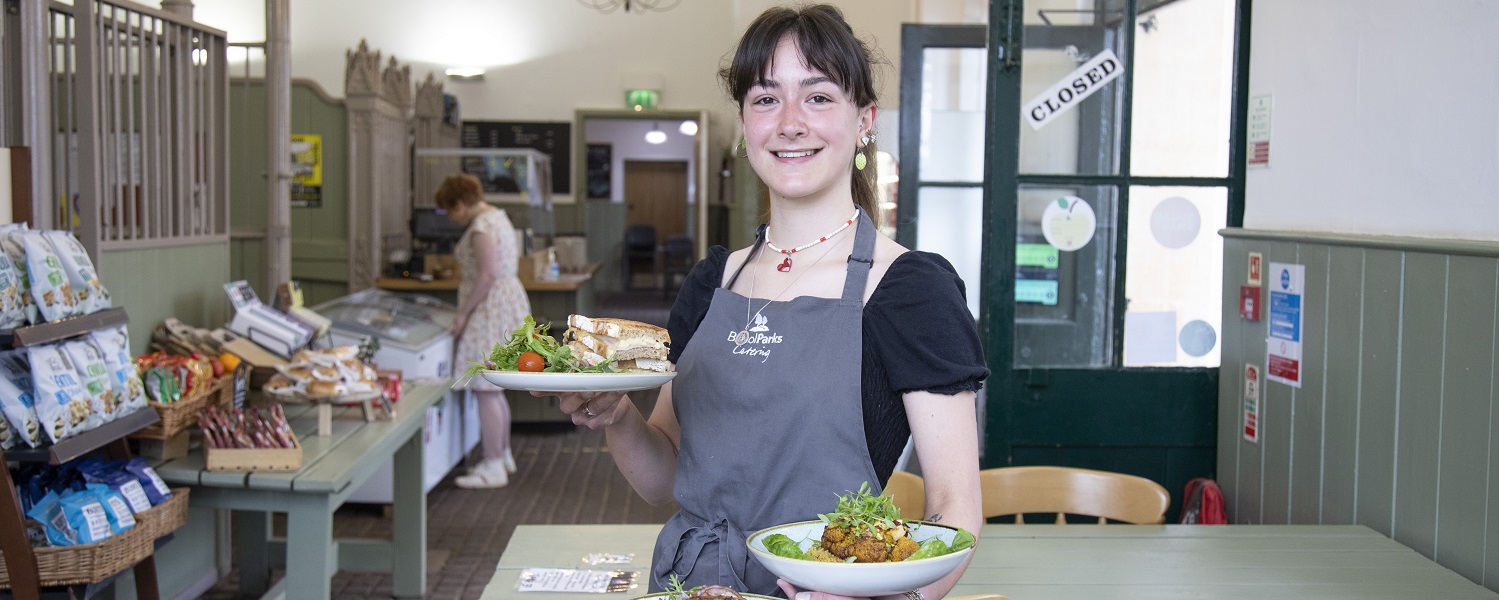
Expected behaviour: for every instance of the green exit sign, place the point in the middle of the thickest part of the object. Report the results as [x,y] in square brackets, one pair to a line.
[642,99]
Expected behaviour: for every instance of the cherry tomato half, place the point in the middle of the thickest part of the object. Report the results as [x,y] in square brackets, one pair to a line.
[531,361]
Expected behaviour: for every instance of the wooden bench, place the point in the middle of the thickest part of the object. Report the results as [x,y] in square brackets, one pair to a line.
[333,467]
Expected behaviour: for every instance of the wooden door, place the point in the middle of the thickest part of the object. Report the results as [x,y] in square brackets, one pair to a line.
[656,194]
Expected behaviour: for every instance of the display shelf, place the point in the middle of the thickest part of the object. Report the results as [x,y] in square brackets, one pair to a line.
[86,442]
[62,329]
[21,564]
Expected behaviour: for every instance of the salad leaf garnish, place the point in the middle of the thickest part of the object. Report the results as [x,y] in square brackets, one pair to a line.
[530,337]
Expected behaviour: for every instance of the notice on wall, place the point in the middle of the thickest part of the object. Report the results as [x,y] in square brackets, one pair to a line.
[1283,360]
[1259,131]
[1252,403]
[1063,95]
[306,170]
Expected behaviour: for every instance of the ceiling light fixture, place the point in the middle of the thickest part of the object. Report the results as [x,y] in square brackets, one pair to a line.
[655,135]
[688,128]
[639,6]
[470,73]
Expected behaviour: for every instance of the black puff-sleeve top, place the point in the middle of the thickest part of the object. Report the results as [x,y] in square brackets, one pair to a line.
[918,336]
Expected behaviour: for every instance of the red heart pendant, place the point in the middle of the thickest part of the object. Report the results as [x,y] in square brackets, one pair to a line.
[785,265]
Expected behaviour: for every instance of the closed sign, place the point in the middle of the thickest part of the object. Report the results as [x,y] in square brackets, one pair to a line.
[1072,89]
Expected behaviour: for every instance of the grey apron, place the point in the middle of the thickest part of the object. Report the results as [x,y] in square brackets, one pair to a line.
[772,431]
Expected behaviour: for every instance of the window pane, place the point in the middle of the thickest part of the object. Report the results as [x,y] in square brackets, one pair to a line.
[1064,298]
[952,114]
[1175,266]
[1183,89]
[949,221]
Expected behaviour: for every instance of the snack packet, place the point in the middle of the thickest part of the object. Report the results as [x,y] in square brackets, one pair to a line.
[48,512]
[114,343]
[116,509]
[50,287]
[85,514]
[16,403]
[12,310]
[94,376]
[8,438]
[92,296]
[156,489]
[115,476]
[60,403]
[10,242]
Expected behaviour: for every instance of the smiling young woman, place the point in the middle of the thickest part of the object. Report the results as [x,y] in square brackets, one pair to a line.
[819,350]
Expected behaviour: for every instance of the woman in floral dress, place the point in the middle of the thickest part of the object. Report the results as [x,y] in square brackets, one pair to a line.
[491,304]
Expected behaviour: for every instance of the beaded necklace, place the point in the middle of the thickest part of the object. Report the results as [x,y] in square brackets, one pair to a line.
[785,265]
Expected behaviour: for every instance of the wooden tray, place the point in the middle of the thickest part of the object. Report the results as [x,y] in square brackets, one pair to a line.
[255,459]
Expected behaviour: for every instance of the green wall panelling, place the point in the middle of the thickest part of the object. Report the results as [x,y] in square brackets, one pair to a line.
[603,223]
[1309,401]
[1397,413]
[248,262]
[1419,400]
[1345,282]
[1231,375]
[1377,380]
[1276,404]
[1466,413]
[186,282]
[313,228]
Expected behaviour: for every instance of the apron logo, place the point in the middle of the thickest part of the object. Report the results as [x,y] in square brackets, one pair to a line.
[756,337]
[760,322]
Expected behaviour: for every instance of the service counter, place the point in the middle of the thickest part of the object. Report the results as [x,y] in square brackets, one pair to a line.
[551,301]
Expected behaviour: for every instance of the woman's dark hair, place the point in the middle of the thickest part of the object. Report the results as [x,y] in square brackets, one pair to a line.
[458,189]
[830,46]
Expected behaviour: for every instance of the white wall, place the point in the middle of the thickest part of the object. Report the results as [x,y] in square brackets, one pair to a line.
[547,58]
[626,138]
[1384,117]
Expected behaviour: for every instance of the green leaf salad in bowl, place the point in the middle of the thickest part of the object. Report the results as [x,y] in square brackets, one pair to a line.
[530,337]
[862,548]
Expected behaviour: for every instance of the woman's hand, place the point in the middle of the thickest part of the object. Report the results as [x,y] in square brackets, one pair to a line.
[594,409]
[459,321]
[793,594]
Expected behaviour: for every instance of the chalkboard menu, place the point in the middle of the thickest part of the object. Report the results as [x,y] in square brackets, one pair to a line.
[554,138]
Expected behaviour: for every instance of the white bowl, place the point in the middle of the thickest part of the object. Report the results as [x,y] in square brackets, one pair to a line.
[857,579]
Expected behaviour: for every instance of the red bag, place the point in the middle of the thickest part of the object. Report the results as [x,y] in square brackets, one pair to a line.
[1203,503]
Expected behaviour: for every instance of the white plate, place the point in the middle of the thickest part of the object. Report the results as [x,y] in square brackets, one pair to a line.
[576,382]
[856,579]
[665,596]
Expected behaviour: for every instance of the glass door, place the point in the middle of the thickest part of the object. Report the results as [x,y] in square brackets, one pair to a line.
[1111,164]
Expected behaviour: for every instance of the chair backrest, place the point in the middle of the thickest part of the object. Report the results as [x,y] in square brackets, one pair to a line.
[908,491]
[640,236]
[677,250]
[1065,490]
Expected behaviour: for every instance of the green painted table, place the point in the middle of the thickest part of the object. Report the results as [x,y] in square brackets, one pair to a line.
[333,467]
[1089,562]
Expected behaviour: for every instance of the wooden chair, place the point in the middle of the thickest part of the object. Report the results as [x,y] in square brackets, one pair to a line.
[1065,490]
[909,494]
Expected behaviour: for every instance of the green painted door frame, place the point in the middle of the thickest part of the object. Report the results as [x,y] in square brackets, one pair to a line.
[1155,422]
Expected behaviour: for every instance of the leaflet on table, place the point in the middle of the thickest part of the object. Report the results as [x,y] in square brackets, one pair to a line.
[264,325]
[575,581]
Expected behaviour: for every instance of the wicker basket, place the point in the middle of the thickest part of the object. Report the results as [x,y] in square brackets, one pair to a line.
[69,565]
[166,517]
[182,414]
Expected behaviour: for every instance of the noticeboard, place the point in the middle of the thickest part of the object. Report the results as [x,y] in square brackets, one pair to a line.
[553,138]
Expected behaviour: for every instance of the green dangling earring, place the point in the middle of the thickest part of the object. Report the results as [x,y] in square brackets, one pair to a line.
[743,152]
[860,161]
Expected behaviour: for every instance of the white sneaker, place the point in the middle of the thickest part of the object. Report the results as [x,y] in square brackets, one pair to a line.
[489,474]
[509,461]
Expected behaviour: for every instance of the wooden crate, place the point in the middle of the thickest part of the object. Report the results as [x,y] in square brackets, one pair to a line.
[255,459]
